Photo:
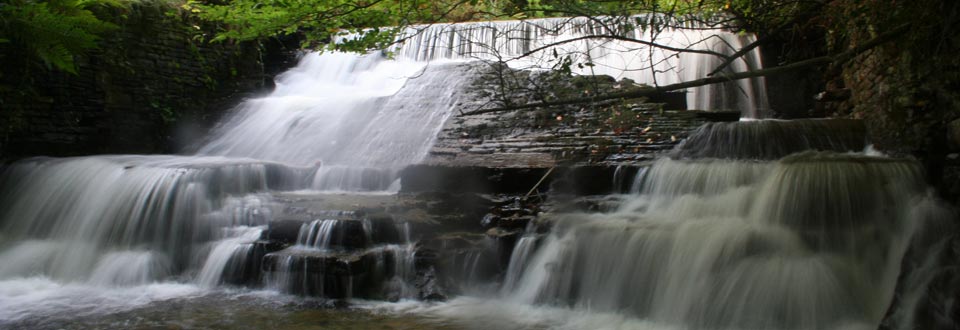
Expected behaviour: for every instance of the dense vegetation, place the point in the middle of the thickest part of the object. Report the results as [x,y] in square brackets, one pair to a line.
[52,33]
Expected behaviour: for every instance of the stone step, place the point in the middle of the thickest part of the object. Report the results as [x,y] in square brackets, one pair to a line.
[344,234]
[334,274]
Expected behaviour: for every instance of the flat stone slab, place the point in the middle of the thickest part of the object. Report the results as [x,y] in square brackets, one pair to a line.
[544,138]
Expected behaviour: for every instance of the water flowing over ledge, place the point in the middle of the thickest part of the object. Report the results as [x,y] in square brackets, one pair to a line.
[809,242]
[343,112]
[749,225]
[542,44]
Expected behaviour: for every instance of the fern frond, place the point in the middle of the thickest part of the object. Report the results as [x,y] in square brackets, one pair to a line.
[54,31]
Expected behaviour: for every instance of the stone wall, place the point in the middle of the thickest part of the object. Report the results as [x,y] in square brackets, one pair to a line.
[904,112]
[151,87]
[606,133]
[907,93]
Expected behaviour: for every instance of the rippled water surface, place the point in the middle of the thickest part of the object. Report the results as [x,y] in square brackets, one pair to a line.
[176,306]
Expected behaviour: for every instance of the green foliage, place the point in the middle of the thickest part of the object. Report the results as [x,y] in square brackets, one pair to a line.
[354,25]
[53,32]
[361,25]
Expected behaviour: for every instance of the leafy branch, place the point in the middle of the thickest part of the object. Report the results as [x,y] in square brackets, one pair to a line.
[54,32]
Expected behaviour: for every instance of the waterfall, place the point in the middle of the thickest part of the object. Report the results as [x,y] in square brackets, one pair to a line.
[318,234]
[237,245]
[812,240]
[341,258]
[335,122]
[358,119]
[524,45]
[518,260]
[751,225]
[77,219]
[772,139]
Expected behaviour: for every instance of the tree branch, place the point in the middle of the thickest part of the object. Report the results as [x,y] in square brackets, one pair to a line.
[766,38]
[835,59]
[620,38]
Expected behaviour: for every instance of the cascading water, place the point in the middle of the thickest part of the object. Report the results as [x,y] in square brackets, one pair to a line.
[357,119]
[772,139]
[336,122]
[71,219]
[339,258]
[741,228]
[237,245]
[536,43]
[810,241]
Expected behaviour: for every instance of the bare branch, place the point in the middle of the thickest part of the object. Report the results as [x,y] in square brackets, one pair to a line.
[835,59]
[766,38]
[612,37]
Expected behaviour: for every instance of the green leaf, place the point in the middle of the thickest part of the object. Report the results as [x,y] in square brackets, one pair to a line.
[55,32]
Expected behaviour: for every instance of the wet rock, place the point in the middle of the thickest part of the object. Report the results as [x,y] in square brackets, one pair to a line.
[454,241]
[619,132]
[936,308]
[489,220]
[515,221]
[596,203]
[339,304]
[458,179]
[384,229]
[343,234]
[425,258]
[327,274]
[465,258]
[499,233]
[514,215]
[429,290]
[433,296]
[496,199]
[592,179]
[953,135]
[348,235]
[506,240]
[283,231]
[319,261]
[245,269]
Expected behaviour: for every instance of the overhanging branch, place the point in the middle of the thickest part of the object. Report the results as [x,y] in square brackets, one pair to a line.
[625,39]
[835,59]
[766,38]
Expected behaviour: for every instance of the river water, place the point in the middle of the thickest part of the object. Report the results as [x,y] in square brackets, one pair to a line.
[733,232]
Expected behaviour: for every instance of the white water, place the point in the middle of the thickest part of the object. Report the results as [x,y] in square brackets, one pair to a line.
[327,252]
[471,313]
[317,234]
[39,297]
[335,122]
[522,44]
[357,120]
[71,219]
[807,242]
[518,260]
[813,241]
[236,244]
